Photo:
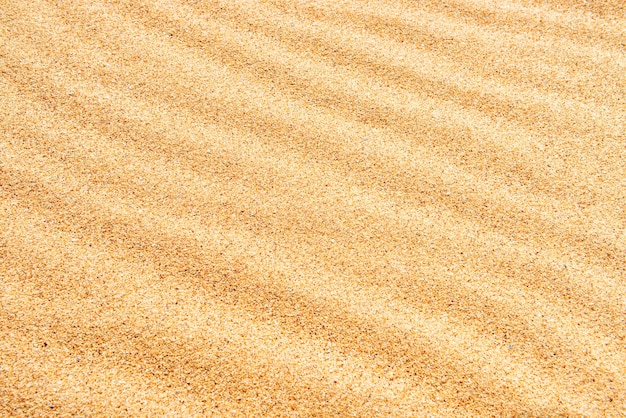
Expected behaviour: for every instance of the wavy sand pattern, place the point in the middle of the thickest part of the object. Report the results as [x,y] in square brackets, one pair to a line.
[313,208]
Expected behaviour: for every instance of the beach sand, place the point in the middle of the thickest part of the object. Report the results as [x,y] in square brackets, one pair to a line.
[381,208]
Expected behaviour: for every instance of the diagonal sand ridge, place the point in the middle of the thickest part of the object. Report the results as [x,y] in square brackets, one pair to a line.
[330,208]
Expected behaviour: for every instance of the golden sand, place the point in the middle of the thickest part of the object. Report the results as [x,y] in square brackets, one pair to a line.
[366,208]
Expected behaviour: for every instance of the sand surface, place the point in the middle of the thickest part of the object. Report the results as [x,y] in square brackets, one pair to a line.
[381,208]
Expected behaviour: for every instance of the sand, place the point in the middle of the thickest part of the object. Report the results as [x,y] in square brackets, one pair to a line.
[379,208]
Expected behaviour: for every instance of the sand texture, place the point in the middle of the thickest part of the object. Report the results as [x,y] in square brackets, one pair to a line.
[256,208]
